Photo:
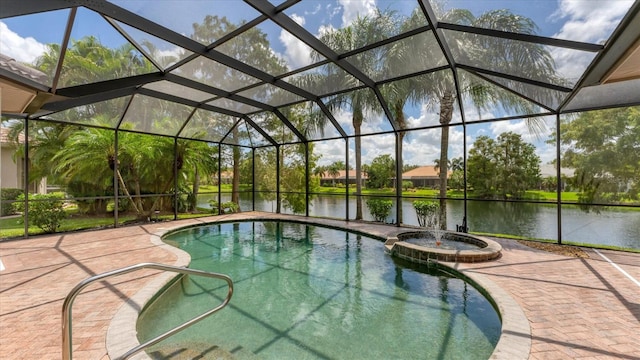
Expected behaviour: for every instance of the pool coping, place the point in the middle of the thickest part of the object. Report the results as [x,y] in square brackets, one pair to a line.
[424,254]
[515,336]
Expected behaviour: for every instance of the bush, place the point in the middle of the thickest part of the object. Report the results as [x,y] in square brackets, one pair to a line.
[406,184]
[427,212]
[225,208]
[45,211]
[7,196]
[379,208]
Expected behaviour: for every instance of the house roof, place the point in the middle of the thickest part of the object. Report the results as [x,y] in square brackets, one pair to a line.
[342,175]
[422,172]
[10,64]
[6,139]
[550,170]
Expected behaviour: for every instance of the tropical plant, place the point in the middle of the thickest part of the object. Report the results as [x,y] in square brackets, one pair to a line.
[333,170]
[253,49]
[427,212]
[526,59]
[363,31]
[379,208]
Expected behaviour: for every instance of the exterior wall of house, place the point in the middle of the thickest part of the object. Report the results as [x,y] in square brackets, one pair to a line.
[11,174]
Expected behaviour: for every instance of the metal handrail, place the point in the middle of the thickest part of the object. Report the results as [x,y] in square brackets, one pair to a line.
[68,302]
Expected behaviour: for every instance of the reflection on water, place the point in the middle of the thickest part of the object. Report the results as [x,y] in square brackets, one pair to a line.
[612,226]
[303,292]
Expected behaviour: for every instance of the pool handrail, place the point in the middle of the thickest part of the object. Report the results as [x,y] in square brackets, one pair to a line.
[68,303]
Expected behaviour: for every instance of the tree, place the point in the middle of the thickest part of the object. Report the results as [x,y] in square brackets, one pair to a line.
[252,48]
[363,31]
[293,179]
[456,179]
[333,170]
[381,171]
[456,164]
[145,164]
[417,90]
[505,167]
[603,146]
[526,59]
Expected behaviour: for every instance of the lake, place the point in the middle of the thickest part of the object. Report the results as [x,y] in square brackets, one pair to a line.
[616,226]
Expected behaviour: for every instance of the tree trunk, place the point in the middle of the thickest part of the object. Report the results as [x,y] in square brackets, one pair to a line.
[126,191]
[399,166]
[195,189]
[399,112]
[446,113]
[357,122]
[235,187]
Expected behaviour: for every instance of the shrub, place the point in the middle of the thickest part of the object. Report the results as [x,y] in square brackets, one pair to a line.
[427,212]
[225,208]
[45,211]
[7,196]
[379,208]
[406,184]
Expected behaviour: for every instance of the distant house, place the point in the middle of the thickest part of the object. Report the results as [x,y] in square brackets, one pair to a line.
[341,178]
[549,170]
[423,176]
[12,171]
[226,177]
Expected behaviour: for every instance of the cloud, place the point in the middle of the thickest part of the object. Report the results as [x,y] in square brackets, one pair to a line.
[545,151]
[587,21]
[24,50]
[314,11]
[351,9]
[376,145]
[297,54]
[331,151]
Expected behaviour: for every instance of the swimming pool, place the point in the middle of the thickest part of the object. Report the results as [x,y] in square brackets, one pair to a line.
[309,292]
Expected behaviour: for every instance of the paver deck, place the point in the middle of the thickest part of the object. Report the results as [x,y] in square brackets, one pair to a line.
[576,308]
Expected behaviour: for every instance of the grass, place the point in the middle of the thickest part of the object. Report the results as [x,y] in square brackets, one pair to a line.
[537,195]
[13,227]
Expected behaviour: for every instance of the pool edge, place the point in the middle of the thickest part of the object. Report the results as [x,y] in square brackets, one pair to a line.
[122,333]
[515,335]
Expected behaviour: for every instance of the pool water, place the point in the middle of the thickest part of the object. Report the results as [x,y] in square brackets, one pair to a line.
[309,292]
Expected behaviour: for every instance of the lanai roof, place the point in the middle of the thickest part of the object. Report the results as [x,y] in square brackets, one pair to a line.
[594,46]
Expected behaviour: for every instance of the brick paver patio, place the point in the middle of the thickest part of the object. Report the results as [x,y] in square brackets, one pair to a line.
[576,308]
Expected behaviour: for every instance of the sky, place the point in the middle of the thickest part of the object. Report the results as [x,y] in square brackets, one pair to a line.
[579,20]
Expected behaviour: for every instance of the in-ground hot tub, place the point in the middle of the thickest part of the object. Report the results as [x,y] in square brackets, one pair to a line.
[423,246]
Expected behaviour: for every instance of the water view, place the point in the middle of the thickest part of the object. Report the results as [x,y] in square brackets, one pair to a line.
[611,226]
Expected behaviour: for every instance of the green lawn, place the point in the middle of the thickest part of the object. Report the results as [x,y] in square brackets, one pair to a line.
[537,195]
[455,194]
[13,227]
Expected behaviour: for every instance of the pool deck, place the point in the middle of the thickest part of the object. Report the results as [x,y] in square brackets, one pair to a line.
[573,308]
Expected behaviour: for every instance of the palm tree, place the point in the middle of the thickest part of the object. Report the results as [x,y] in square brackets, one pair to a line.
[527,59]
[363,31]
[414,90]
[333,170]
[456,164]
[252,48]
[436,166]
